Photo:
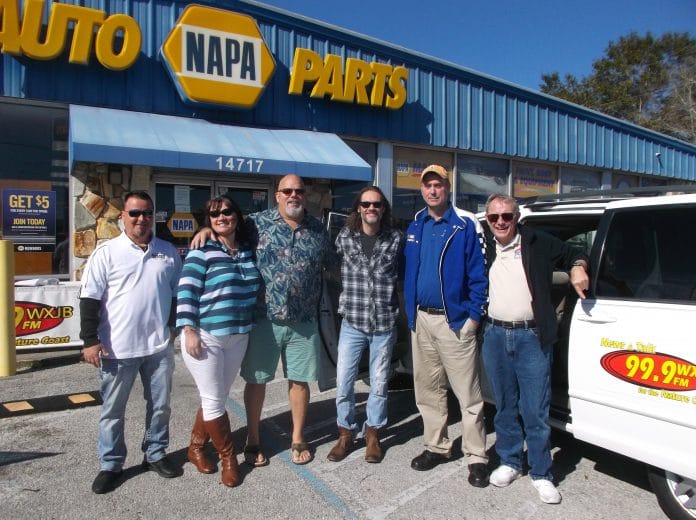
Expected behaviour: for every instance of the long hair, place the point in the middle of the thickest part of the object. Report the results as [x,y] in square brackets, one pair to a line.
[354,222]
[218,203]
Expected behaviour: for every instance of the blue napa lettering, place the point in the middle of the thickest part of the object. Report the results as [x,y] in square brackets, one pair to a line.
[214,55]
[182,225]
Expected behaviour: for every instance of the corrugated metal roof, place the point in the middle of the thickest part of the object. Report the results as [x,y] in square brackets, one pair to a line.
[447,106]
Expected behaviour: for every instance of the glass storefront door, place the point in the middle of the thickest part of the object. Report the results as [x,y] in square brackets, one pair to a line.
[250,198]
[180,206]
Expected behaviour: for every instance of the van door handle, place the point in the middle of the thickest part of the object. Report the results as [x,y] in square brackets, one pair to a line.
[595,319]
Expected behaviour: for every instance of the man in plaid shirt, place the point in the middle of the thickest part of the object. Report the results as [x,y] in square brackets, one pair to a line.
[370,251]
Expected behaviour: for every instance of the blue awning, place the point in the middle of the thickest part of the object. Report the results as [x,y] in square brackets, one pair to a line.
[117,136]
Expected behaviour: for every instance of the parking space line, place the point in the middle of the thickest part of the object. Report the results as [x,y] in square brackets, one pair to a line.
[273,442]
[433,479]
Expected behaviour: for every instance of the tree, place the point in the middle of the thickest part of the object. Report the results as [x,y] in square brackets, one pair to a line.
[649,81]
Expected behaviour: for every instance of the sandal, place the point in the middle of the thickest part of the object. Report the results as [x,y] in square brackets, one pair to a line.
[296,449]
[251,456]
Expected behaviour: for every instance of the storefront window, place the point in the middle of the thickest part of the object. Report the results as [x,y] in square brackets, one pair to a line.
[408,165]
[621,182]
[477,178]
[652,181]
[532,180]
[34,184]
[344,192]
[574,180]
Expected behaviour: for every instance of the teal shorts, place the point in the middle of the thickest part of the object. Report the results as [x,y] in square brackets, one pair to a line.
[297,344]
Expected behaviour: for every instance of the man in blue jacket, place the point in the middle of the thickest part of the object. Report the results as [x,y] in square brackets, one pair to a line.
[445,291]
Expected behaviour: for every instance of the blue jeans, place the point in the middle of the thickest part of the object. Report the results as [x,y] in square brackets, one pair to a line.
[519,372]
[351,344]
[117,378]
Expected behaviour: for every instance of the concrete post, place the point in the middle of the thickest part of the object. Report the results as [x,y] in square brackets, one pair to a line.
[8,348]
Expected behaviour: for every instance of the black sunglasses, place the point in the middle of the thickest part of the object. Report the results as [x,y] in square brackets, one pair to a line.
[215,213]
[135,213]
[367,203]
[493,217]
[288,191]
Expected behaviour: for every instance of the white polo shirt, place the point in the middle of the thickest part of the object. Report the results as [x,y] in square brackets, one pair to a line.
[136,288]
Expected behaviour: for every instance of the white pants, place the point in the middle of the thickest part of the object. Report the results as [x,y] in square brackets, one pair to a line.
[214,373]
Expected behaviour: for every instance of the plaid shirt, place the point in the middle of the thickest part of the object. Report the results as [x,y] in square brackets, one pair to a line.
[368,300]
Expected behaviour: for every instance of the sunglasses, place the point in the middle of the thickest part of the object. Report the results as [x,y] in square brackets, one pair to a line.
[215,213]
[288,191]
[135,213]
[367,203]
[493,217]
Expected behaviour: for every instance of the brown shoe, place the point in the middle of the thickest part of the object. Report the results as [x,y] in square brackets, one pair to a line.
[196,450]
[221,435]
[343,447]
[373,449]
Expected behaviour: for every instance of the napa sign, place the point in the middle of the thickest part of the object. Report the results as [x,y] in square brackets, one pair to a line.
[217,57]
[214,57]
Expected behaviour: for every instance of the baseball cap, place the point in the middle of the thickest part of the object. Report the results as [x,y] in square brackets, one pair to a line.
[436,169]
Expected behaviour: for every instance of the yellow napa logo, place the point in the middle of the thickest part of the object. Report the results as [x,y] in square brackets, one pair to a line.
[217,57]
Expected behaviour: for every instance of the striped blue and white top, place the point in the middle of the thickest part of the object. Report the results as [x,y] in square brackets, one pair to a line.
[218,290]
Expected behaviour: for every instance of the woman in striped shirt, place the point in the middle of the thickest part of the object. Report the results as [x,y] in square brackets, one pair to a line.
[215,301]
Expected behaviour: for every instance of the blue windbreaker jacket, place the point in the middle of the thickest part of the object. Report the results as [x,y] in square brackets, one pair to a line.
[463,279]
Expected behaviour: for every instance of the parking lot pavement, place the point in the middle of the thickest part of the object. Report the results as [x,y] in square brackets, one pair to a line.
[48,461]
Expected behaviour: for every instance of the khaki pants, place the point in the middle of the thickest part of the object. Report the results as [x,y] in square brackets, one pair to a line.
[439,354]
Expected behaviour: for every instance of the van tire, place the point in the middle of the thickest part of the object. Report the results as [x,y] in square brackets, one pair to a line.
[672,493]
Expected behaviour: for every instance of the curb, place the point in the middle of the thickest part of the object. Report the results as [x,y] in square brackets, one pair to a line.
[54,403]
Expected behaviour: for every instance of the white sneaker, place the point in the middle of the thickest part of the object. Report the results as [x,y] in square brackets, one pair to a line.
[504,476]
[547,491]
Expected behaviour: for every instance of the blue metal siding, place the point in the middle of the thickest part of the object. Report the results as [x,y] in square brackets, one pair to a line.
[447,105]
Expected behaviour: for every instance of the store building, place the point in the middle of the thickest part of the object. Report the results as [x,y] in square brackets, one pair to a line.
[189,100]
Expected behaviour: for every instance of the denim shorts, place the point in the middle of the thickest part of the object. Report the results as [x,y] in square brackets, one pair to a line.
[295,343]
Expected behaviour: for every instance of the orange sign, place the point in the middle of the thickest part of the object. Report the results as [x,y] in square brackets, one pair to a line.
[182,225]
[218,57]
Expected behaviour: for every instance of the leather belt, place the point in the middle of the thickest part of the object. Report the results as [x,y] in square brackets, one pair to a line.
[522,324]
[431,310]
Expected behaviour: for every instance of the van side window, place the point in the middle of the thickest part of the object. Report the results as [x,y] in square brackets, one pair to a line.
[650,255]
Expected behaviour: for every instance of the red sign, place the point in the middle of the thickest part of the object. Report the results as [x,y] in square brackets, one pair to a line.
[32,318]
[653,370]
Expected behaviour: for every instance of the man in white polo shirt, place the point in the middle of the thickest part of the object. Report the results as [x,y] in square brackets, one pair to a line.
[126,301]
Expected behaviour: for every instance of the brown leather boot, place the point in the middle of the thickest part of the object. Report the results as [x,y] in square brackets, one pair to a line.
[196,450]
[373,449]
[220,434]
[343,447]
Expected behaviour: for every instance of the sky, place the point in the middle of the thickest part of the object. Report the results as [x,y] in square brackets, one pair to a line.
[513,40]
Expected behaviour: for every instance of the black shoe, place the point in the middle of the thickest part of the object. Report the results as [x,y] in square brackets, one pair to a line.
[428,460]
[163,467]
[478,475]
[105,481]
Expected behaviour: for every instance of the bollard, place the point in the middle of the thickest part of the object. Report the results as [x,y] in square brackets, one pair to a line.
[8,347]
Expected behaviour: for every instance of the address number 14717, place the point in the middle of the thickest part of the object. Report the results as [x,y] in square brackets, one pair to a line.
[239,164]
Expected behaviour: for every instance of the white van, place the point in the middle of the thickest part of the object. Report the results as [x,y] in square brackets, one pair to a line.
[625,368]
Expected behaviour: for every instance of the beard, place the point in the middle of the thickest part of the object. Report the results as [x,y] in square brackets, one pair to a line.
[294,211]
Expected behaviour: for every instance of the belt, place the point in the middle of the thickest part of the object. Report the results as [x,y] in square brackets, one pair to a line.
[523,324]
[432,310]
